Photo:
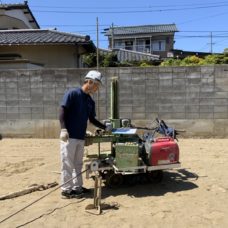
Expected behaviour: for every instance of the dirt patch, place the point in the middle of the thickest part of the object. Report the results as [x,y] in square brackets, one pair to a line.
[196,195]
[9,169]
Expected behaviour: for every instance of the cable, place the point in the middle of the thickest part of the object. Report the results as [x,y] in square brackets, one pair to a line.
[42,197]
[133,11]
[48,213]
[202,18]
[128,7]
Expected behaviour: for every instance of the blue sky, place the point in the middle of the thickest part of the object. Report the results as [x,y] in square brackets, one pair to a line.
[202,24]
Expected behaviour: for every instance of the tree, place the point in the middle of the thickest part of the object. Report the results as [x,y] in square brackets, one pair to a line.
[105,60]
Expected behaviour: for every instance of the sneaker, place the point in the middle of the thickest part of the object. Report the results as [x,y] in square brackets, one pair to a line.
[72,194]
[78,193]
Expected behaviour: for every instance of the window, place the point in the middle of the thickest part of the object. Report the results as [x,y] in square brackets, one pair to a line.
[158,45]
[129,45]
[140,44]
[118,44]
[143,45]
[147,46]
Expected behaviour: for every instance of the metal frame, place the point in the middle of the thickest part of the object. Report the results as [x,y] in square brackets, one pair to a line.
[133,170]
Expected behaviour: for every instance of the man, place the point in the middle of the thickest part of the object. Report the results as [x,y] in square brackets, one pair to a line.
[76,108]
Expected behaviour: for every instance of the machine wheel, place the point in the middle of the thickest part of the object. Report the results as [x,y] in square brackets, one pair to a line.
[143,178]
[113,180]
[155,176]
[131,180]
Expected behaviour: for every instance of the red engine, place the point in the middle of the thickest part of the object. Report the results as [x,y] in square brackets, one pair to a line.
[163,151]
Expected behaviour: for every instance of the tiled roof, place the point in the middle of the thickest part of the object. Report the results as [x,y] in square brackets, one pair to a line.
[23,7]
[142,29]
[13,6]
[127,55]
[38,36]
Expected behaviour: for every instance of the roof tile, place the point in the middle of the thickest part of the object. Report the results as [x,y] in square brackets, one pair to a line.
[38,36]
[128,30]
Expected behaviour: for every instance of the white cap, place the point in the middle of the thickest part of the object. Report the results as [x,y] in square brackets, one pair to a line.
[94,75]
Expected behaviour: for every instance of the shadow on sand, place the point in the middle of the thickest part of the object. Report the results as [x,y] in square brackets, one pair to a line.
[173,181]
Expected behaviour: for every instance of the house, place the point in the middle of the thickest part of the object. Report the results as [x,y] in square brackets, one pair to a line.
[153,39]
[23,45]
[17,16]
[37,48]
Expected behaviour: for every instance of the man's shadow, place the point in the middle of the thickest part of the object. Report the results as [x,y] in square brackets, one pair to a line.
[173,181]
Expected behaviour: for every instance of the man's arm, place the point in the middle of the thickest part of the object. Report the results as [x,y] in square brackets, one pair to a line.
[64,136]
[97,123]
[62,113]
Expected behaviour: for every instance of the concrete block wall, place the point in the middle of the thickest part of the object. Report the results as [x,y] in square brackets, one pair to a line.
[190,98]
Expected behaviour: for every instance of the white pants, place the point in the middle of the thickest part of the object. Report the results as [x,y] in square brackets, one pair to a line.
[72,161]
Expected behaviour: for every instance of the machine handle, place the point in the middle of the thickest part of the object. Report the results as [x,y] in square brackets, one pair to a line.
[164,139]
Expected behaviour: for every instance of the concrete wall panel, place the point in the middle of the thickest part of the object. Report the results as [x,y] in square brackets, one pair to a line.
[190,98]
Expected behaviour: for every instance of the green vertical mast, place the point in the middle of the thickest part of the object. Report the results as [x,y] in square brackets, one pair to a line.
[114,99]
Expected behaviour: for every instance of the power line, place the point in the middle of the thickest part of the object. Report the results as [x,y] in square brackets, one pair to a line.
[197,36]
[202,18]
[133,11]
[203,31]
[73,25]
[128,7]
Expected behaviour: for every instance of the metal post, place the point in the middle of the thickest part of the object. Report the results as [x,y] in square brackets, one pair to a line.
[98,93]
[97,195]
[114,99]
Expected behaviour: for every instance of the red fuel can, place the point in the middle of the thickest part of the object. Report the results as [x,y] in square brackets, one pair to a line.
[164,151]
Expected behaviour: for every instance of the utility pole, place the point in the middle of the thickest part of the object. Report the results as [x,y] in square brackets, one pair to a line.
[112,32]
[98,93]
[211,43]
[97,45]
[98,106]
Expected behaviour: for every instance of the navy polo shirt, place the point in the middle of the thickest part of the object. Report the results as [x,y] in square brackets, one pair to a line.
[79,107]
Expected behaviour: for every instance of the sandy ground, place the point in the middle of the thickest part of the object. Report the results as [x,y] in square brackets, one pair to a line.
[180,200]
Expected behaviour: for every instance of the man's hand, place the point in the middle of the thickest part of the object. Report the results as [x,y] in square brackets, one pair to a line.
[64,136]
[108,127]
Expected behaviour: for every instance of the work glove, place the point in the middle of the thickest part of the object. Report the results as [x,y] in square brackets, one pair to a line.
[64,136]
[88,139]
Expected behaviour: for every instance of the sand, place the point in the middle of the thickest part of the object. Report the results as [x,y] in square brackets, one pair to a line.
[195,195]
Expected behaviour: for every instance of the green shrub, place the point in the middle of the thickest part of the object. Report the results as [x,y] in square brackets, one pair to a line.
[191,61]
[90,60]
[105,60]
[171,62]
[195,60]
[110,60]
[213,59]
